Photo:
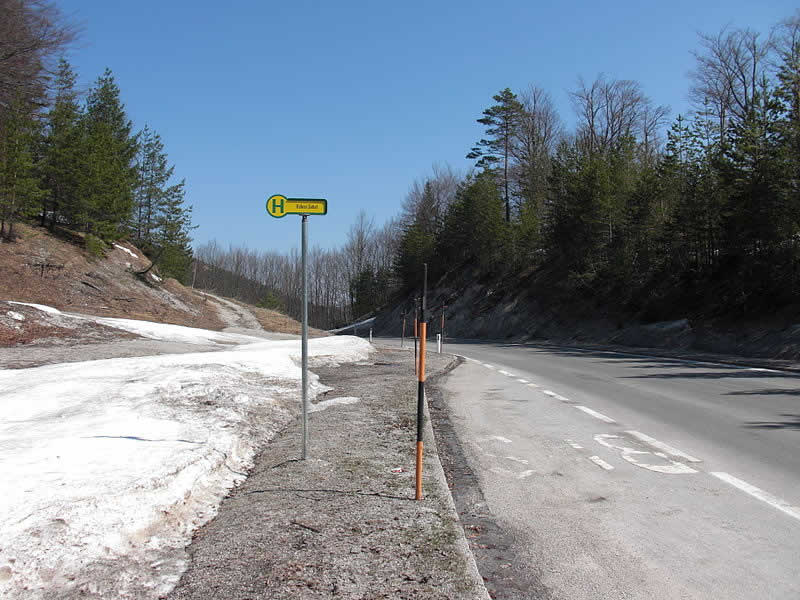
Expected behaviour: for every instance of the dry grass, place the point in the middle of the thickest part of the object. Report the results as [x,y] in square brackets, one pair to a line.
[272,320]
[42,269]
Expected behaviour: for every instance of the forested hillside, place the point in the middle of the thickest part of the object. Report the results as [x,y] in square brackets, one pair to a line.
[705,219]
[632,214]
[74,163]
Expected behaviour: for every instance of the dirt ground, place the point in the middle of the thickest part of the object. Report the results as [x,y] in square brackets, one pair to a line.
[343,523]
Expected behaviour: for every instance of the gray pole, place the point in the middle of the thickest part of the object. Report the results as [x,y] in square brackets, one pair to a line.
[304,244]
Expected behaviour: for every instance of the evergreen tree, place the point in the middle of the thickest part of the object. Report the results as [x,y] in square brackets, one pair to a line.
[416,248]
[172,240]
[63,161]
[502,122]
[110,151]
[475,231]
[152,189]
[20,191]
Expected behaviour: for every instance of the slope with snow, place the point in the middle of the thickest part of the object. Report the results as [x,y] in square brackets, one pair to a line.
[110,465]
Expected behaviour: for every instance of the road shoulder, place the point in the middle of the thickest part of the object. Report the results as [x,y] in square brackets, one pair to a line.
[342,523]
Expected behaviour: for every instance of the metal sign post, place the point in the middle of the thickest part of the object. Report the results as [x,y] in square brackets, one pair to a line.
[279,206]
[304,343]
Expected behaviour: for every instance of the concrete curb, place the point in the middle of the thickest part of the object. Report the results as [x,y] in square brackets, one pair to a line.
[441,482]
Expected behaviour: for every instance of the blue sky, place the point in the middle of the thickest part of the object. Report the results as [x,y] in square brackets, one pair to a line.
[351,101]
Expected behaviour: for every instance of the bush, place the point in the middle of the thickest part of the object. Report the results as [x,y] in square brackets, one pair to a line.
[95,245]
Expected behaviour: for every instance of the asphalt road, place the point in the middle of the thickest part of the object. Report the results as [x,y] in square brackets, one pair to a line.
[625,476]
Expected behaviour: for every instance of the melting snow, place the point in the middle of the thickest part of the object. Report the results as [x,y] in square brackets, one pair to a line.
[124,249]
[42,307]
[110,465]
[332,402]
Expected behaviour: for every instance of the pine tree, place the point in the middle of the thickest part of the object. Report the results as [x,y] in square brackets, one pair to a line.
[152,190]
[171,239]
[501,121]
[20,191]
[475,231]
[110,150]
[63,161]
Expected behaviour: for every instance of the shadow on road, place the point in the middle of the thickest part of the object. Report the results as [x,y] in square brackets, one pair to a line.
[791,422]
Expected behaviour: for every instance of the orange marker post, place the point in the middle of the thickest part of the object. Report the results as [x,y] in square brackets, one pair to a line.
[423,335]
[420,406]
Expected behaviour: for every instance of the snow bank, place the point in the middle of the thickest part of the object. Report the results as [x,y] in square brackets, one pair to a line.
[41,307]
[109,466]
[174,333]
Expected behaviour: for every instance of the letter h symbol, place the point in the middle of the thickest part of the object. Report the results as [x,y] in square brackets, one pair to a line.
[277,206]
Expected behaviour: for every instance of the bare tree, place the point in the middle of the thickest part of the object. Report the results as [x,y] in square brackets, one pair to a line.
[33,34]
[429,198]
[729,70]
[539,130]
[358,247]
[610,111]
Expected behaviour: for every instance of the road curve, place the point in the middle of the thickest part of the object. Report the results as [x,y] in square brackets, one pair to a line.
[629,476]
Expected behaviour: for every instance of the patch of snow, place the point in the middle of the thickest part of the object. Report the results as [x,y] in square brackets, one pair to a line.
[156,277]
[124,249]
[115,463]
[174,333]
[15,315]
[42,307]
[332,402]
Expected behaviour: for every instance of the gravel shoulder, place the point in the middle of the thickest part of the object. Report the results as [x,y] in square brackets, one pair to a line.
[343,523]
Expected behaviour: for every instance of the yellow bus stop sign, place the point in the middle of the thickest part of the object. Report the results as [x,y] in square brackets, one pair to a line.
[279,206]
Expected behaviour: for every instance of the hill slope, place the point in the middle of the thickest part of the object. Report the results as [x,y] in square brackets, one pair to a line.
[43,269]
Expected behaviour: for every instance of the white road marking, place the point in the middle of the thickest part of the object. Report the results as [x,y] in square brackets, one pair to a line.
[662,446]
[532,385]
[519,460]
[596,414]
[488,366]
[631,454]
[574,445]
[525,474]
[554,395]
[601,463]
[506,373]
[522,380]
[774,502]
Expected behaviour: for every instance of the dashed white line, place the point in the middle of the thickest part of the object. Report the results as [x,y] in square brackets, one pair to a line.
[662,446]
[556,396]
[601,463]
[774,502]
[522,380]
[596,414]
[488,366]
[574,445]
[506,373]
